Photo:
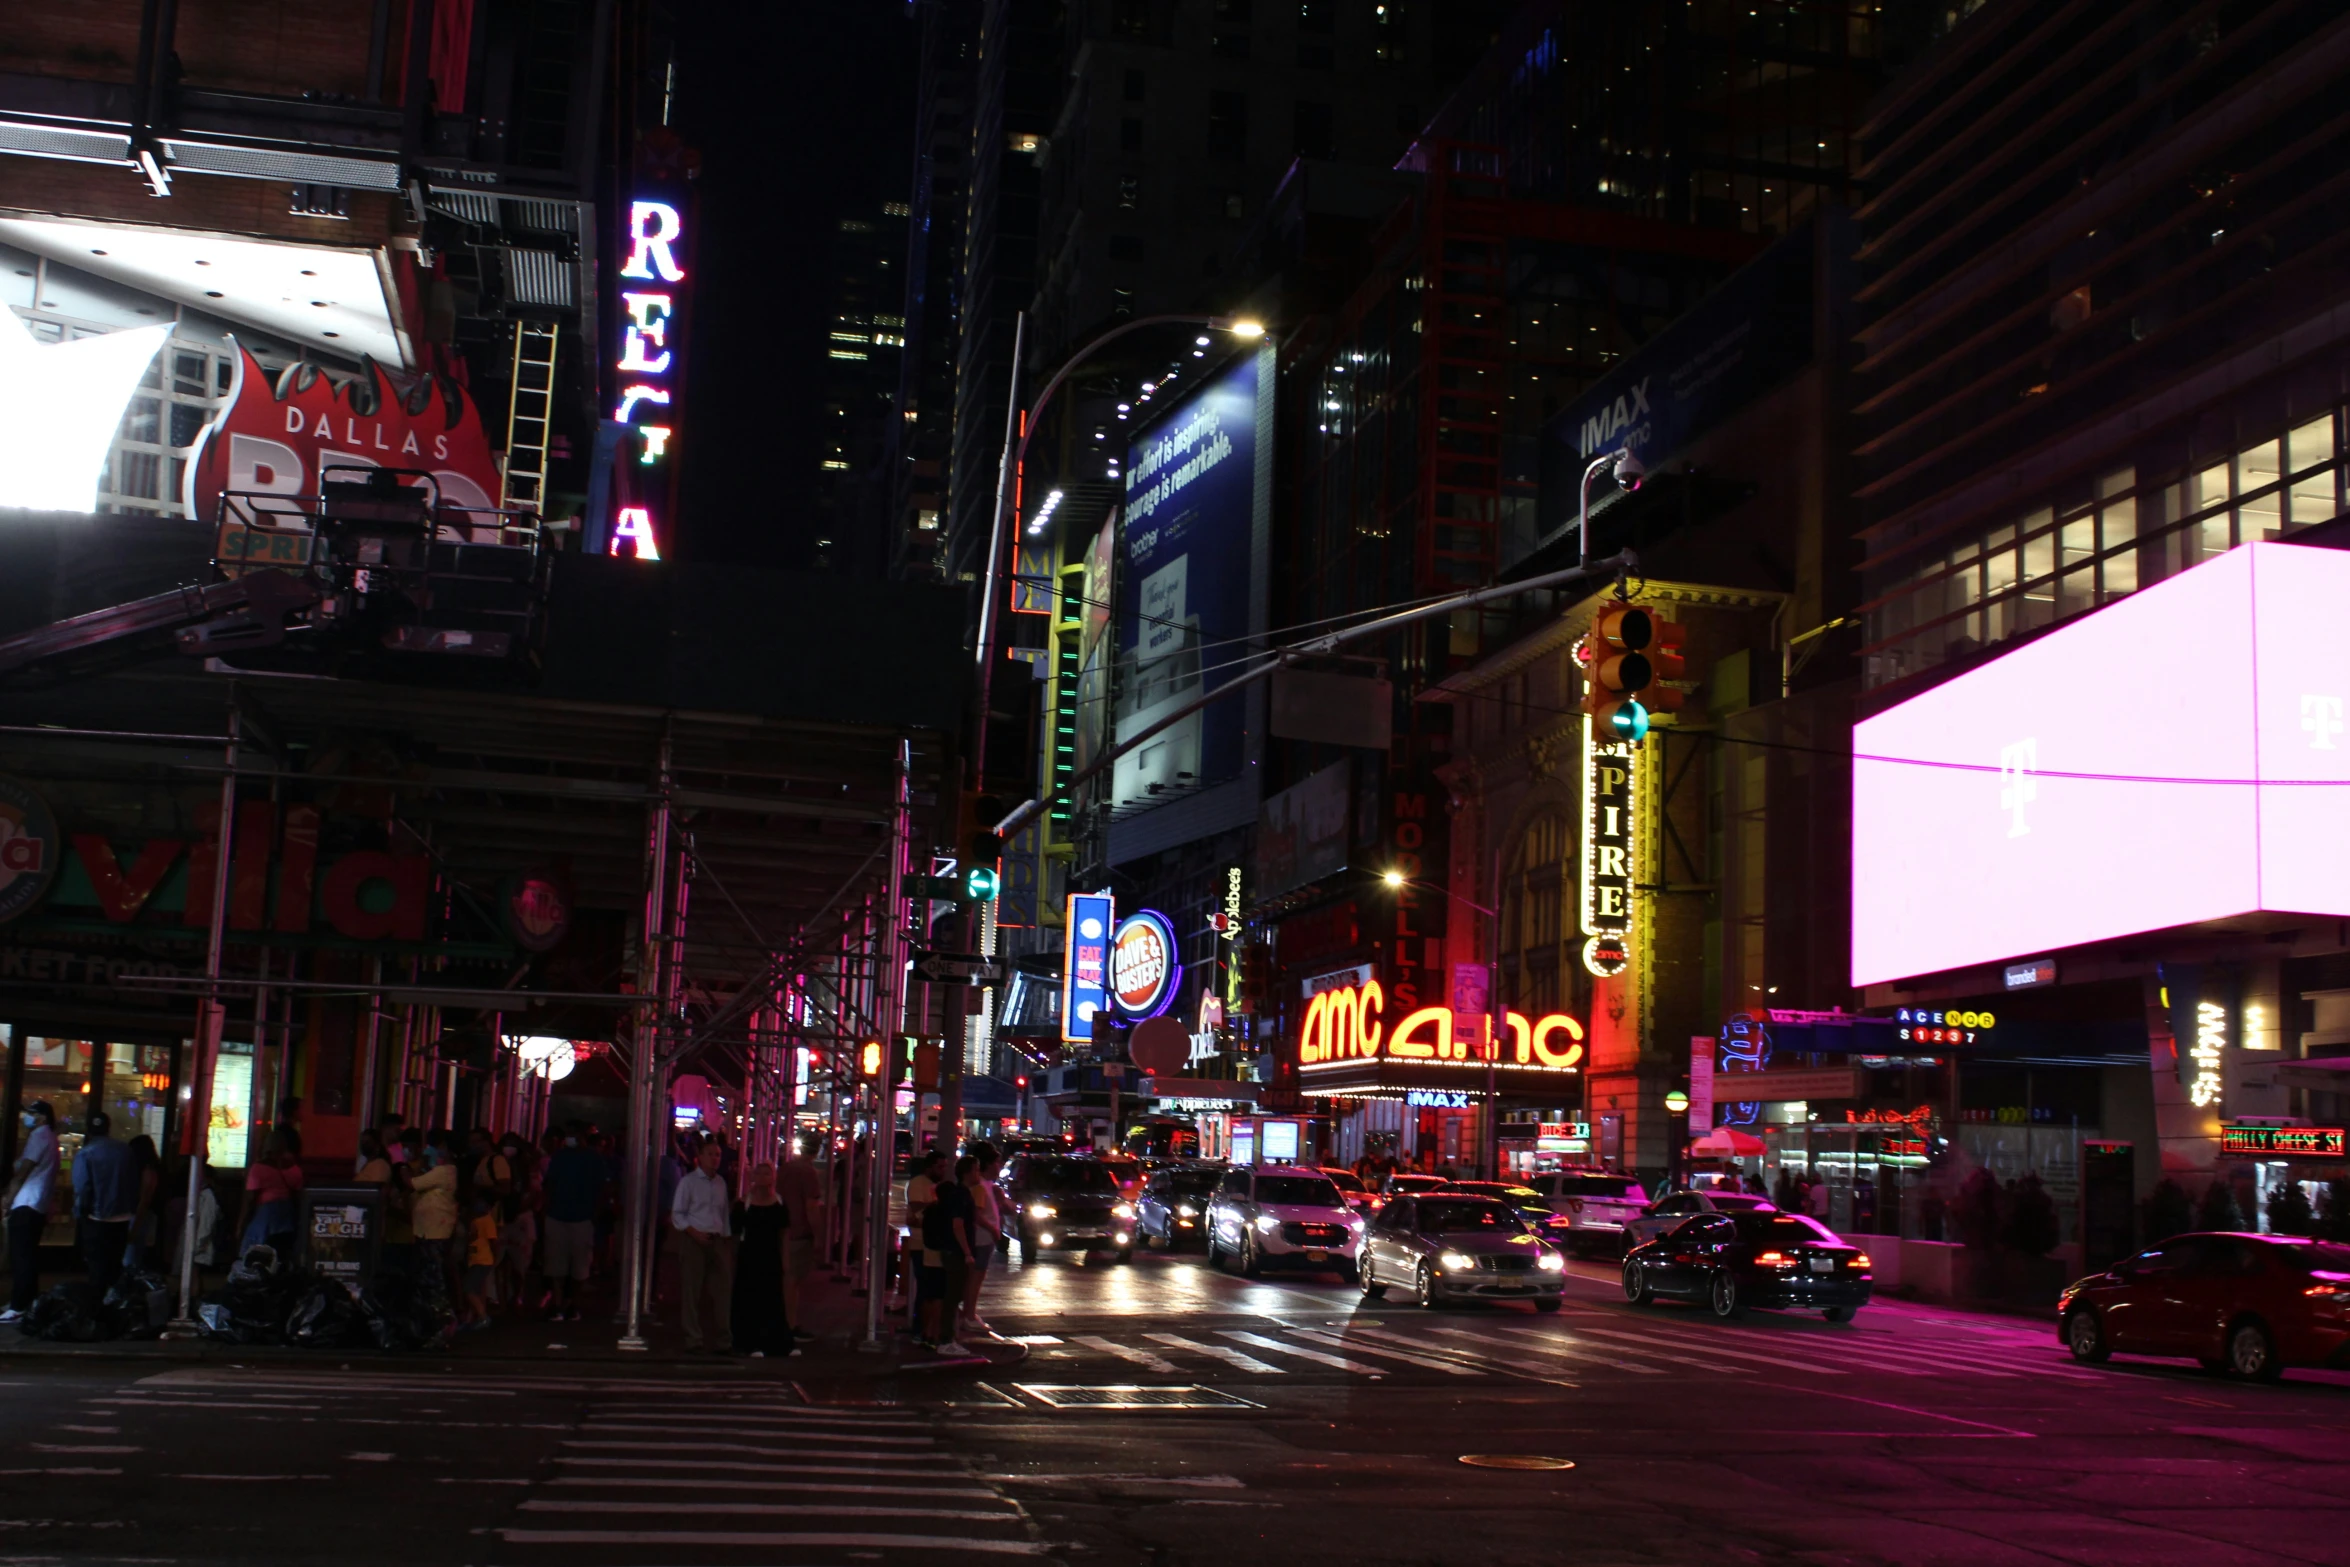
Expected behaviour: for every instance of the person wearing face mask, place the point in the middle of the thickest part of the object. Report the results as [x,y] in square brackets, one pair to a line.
[575,1186]
[432,1214]
[28,1207]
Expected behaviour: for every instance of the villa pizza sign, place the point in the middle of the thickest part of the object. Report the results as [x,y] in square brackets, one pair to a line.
[284,439]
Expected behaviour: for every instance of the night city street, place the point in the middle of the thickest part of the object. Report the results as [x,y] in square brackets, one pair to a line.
[1193,783]
[1336,1434]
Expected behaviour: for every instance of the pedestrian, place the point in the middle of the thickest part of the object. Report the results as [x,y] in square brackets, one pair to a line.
[273,1188]
[987,1228]
[801,1186]
[485,1166]
[921,1191]
[105,1200]
[31,1190]
[946,1253]
[518,1223]
[700,1218]
[147,1219]
[289,1121]
[575,1189]
[481,1259]
[432,1219]
[761,1325]
[1815,1198]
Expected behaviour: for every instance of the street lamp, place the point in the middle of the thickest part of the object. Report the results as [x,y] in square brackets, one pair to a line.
[1497,1016]
[1629,471]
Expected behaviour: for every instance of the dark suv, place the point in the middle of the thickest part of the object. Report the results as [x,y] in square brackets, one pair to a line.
[1060,1203]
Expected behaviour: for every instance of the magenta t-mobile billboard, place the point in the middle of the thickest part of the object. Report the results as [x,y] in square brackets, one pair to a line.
[2177,756]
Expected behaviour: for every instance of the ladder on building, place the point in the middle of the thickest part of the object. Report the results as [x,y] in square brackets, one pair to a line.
[530,414]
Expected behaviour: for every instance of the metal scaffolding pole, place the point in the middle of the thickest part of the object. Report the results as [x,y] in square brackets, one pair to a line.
[644,1066]
[196,1129]
[890,991]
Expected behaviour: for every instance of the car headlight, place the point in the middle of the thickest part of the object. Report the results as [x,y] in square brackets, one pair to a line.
[1551,1262]
[1267,1224]
[1124,1210]
[1456,1262]
[1042,1210]
[1354,1221]
[1187,1210]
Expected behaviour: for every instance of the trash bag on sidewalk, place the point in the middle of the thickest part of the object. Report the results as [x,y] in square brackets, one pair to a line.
[71,1312]
[325,1316]
[397,1315]
[139,1304]
[253,1304]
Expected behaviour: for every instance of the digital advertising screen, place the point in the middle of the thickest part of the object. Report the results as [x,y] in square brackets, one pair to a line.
[2175,757]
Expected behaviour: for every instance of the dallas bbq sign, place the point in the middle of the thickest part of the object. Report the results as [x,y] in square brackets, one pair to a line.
[284,439]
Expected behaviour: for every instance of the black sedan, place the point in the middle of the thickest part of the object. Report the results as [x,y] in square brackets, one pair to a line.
[1733,1261]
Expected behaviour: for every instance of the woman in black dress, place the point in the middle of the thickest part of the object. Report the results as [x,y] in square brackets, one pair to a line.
[760,1325]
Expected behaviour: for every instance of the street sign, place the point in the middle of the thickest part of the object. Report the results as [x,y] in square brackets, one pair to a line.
[956,968]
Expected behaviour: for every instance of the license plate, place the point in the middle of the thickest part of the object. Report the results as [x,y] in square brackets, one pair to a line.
[1317,1256]
[1082,1235]
[1823,1265]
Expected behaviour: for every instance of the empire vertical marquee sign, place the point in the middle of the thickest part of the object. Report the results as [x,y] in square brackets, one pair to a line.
[1610,782]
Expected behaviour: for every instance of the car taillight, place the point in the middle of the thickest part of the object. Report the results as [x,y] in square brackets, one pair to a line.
[1772,1259]
[2328,1291]
[1861,1261]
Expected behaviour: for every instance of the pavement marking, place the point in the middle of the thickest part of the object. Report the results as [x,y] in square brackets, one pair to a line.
[728,1465]
[80,1447]
[703,1537]
[90,1430]
[767,1509]
[1259,1341]
[1690,1341]
[266,1477]
[1032,1340]
[1526,1341]
[1202,1482]
[863,1434]
[774,1452]
[60,1471]
[369,1458]
[1488,1357]
[1231,1357]
[1983,1427]
[1335,1341]
[1141,1357]
[829,1487]
[1531,1336]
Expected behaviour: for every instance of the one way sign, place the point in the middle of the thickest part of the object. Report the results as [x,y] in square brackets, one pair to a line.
[956,968]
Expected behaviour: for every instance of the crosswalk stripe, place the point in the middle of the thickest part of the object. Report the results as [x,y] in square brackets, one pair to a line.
[819,1450]
[1643,1351]
[1486,1356]
[728,1465]
[1141,1357]
[767,1509]
[1689,1341]
[1259,1341]
[828,1539]
[781,1414]
[829,1487]
[1230,1357]
[1527,1340]
[1335,1341]
[778,1434]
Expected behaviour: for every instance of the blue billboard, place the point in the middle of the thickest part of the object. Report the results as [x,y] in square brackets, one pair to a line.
[1197,483]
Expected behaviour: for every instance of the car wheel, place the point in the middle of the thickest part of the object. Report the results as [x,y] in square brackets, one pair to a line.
[1636,1287]
[1215,1252]
[1838,1313]
[1372,1288]
[1546,1306]
[1424,1287]
[1251,1265]
[2084,1335]
[1725,1298]
[2252,1352]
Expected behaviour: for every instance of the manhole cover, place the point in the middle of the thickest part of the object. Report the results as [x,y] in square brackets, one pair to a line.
[1515,1461]
[1067,1396]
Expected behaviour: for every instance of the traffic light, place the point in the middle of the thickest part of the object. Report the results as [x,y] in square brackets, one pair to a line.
[871,1058]
[1631,652]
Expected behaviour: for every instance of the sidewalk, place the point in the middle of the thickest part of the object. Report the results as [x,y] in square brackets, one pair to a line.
[830,1309]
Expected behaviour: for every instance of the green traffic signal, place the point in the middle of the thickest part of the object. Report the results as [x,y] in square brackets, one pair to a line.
[979,883]
[1628,723]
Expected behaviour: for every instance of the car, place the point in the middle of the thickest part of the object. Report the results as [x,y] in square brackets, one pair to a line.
[1172,1210]
[1733,1260]
[1064,1202]
[1663,1214]
[1447,1248]
[1591,1207]
[1525,1200]
[1281,1215]
[2243,1305]
[1126,1170]
[1403,1182]
[1351,1187]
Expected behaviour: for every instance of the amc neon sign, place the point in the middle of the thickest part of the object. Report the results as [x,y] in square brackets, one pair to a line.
[648,360]
[1345,1025]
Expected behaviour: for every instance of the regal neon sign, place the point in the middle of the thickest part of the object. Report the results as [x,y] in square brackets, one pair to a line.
[1344,1025]
[647,366]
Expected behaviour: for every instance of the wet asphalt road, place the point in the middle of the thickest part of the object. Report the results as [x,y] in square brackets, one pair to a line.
[1162,1413]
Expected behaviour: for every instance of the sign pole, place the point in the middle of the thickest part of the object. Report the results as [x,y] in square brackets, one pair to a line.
[196,1128]
[890,993]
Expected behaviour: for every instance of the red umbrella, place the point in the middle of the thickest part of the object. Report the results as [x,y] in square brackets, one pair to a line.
[1724,1143]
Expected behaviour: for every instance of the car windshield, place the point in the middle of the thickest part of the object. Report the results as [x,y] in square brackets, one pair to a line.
[1298,1191]
[1193,1183]
[1344,1180]
[1415,1183]
[1785,1229]
[1447,1216]
[1729,1203]
[1071,1178]
[1621,1187]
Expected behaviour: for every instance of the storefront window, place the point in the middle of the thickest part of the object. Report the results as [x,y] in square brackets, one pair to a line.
[229,1132]
[130,1081]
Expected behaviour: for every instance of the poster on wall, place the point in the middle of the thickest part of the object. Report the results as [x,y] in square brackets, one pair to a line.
[1187,587]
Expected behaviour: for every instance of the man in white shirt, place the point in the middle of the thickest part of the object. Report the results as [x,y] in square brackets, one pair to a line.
[28,1207]
[703,1220]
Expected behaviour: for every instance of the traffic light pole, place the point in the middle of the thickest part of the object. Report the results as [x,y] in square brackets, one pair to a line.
[890,994]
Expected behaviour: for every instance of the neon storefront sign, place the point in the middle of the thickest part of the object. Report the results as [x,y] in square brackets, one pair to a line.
[1609,779]
[647,369]
[1144,970]
[1344,1025]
